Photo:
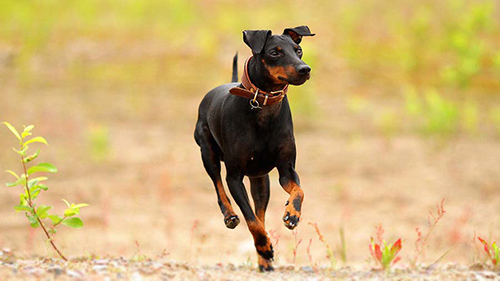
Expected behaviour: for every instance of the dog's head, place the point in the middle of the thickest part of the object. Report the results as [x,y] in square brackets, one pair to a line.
[280,55]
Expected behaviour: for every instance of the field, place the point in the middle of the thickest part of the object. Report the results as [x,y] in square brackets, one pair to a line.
[402,111]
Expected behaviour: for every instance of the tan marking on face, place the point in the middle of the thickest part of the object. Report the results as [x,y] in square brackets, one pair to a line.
[280,71]
[278,48]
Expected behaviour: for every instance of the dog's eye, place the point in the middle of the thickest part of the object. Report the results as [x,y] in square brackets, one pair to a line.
[274,54]
[299,52]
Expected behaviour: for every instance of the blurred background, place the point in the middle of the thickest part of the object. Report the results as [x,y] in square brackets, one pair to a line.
[402,110]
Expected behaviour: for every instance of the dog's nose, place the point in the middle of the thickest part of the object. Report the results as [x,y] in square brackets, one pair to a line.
[304,69]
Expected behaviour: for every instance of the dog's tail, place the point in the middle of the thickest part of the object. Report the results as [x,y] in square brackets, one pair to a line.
[234,79]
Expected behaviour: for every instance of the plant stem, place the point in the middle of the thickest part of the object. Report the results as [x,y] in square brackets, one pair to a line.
[30,203]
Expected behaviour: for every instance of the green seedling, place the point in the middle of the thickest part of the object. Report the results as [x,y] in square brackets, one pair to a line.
[32,187]
[493,251]
[386,255]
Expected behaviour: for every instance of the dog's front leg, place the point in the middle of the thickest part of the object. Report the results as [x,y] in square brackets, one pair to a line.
[290,182]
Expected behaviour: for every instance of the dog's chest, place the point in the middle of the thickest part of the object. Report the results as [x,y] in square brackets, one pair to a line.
[262,157]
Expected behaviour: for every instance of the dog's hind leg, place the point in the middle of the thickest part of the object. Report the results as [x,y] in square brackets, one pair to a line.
[235,183]
[260,194]
[210,154]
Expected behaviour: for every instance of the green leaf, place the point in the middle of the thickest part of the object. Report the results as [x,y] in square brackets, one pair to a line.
[81,205]
[73,222]
[71,212]
[20,181]
[28,128]
[32,183]
[13,130]
[22,201]
[23,208]
[42,167]
[33,221]
[21,152]
[35,193]
[42,211]
[27,131]
[35,188]
[12,173]
[55,219]
[35,181]
[36,139]
[32,156]
[67,203]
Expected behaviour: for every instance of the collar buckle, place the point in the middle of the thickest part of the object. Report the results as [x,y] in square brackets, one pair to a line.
[254,103]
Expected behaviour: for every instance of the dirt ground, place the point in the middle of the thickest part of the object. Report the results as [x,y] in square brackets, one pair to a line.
[152,189]
[130,154]
[160,268]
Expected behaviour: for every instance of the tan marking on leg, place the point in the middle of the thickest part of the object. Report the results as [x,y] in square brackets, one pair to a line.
[230,218]
[293,208]
[261,240]
[224,200]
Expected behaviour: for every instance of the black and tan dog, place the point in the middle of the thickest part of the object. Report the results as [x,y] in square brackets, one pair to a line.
[249,127]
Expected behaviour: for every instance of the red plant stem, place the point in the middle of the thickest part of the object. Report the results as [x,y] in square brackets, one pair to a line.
[297,243]
[30,203]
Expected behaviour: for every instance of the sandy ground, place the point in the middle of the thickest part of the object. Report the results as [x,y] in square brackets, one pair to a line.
[161,268]
[130,154]
[152,190]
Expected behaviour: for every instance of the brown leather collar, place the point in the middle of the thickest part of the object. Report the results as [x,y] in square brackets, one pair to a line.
[257,96]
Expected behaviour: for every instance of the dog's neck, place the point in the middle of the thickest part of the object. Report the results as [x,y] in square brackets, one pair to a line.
[267,113]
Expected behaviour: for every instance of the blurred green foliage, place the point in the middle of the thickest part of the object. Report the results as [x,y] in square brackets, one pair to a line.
[100,145]
[445,51]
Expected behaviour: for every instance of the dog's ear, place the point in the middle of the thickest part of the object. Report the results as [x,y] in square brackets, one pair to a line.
[296,33]
[256,39]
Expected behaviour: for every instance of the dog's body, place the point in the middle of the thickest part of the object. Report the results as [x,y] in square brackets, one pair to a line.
[253,137]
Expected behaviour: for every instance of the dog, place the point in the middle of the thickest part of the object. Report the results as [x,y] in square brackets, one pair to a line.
[248,126]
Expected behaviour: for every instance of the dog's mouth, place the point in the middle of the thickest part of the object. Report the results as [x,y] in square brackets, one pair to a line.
[299,80]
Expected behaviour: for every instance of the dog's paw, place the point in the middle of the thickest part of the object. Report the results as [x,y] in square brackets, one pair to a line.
[266,250]
[265,265]
[291,219]
[267,254]
[264,268]
[232,221]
